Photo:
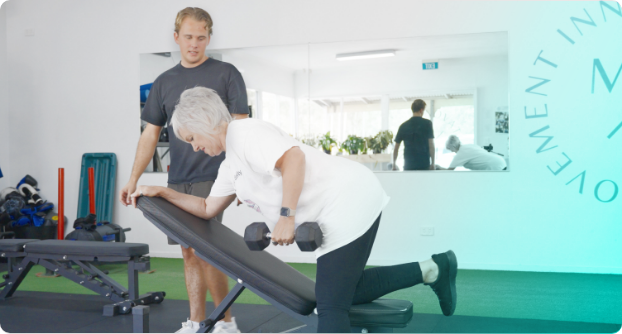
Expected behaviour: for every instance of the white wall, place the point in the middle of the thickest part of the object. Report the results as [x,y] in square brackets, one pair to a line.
[4,104]
[151,66]
[74,85]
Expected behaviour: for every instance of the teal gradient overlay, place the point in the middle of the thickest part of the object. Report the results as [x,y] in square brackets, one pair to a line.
[577,82]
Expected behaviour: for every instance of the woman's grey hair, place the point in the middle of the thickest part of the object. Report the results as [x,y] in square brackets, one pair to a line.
[453,143]
[200,110]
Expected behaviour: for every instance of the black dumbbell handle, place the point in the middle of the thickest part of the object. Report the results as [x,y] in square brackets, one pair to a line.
[269,235]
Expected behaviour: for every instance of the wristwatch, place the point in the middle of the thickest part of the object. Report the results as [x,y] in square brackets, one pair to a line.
[287,212]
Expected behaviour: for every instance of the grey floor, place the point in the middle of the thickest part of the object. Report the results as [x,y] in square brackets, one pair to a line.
[36,312]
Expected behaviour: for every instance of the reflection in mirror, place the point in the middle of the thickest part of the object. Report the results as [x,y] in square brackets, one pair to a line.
[362,92]
[276,79]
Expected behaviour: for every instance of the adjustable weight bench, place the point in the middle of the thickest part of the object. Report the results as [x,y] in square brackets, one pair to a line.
[262,273]
[59,257]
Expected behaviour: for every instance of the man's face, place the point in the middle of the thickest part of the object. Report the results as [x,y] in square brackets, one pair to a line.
[192,39]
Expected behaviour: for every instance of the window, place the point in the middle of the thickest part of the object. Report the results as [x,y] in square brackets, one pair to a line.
[361,119]
[278,110]
[455,117]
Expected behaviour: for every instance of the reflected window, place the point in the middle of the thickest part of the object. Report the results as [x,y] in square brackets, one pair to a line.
[361,119]
[452,120]
[273,108]
[251,95]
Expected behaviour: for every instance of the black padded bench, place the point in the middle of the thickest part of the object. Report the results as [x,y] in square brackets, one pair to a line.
[270,278]
[60,256]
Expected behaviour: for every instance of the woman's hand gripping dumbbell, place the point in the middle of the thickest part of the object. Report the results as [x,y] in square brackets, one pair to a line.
[308,236]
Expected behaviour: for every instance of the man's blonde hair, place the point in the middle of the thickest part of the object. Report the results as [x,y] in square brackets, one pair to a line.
[195,13]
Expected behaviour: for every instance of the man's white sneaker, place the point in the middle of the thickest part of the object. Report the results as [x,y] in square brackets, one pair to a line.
[226,327]
[188,327]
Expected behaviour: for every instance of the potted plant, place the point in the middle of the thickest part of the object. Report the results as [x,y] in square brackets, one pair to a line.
[353,145]
[326,142]
[384,139]
[373,144]
[309,141]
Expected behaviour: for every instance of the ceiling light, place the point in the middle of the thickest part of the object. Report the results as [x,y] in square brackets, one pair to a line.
[366,54]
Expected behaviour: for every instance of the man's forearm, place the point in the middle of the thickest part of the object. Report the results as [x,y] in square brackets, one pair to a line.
[144,154]
[396,151]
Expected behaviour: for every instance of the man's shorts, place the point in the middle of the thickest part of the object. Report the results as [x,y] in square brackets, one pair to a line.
[199,189]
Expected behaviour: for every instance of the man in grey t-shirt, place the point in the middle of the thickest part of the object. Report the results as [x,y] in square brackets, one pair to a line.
[191,172]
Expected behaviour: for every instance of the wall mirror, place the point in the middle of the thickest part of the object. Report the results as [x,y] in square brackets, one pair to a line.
[361,92]
[349,99]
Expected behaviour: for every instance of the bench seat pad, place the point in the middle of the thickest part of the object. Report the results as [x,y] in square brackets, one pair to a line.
[86,248]
[14,245]
[390,313]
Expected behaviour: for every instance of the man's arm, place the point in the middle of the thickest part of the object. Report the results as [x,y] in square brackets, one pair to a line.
[432,152]
[144,153]
[239,116]
[396,151]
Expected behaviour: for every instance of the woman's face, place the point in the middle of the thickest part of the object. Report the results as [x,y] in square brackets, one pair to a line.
[209,144]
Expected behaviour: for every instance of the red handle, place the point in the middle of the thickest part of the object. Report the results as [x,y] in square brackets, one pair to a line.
[92,190]
[61,204]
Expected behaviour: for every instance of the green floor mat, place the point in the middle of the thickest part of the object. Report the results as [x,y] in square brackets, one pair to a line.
[484,293]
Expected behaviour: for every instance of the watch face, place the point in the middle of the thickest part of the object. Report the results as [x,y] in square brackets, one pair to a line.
[285,212]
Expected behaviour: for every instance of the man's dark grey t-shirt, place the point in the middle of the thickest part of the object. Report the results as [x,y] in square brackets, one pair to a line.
[188,166]
[416,133]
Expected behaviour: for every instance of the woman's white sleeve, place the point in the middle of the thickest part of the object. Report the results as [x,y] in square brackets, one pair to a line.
[223,186]
[264,147]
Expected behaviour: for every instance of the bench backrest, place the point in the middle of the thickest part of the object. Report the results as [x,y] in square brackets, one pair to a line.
[222,247]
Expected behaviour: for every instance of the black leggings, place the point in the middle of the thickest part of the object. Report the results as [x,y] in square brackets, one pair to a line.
[342,281]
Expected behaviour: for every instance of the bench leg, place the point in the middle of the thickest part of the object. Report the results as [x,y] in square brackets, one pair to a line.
[132,279]
[16,274]
[219,312]
[140,319]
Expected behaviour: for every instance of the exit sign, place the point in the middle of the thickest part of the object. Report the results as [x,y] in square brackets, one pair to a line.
[430,65]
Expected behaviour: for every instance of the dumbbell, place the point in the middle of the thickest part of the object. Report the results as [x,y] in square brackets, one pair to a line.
[308,236]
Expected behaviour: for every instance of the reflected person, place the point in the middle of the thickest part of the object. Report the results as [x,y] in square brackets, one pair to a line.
[472,157]
[418,136]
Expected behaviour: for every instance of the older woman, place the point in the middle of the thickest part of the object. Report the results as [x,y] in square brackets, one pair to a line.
[472,157]
[290,183]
